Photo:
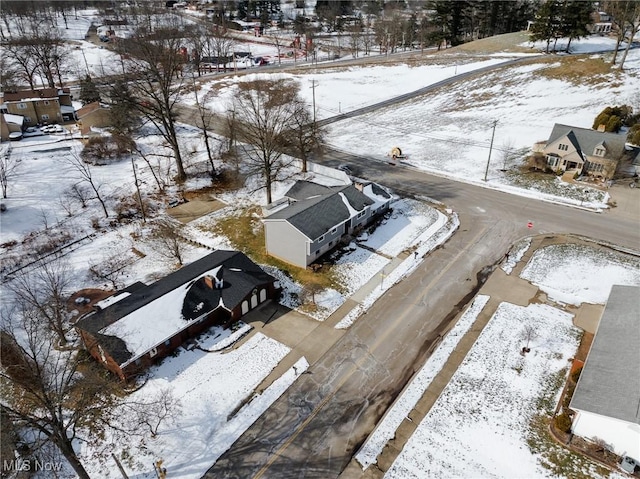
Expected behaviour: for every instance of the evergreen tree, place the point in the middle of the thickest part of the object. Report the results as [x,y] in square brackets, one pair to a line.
[576,16]
[547,24]
[123,115]
[88,91]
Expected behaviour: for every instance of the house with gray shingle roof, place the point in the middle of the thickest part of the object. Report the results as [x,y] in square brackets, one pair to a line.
[143,324]
[584,151]
[607,397]
[318,217]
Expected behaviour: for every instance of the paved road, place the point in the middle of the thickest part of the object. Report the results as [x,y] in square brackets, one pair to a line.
[315,427]
[313,430]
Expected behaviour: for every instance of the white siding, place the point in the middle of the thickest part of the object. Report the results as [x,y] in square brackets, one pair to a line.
[623,436]
[285,242]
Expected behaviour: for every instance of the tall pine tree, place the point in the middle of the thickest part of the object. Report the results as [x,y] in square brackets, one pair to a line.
[575,19]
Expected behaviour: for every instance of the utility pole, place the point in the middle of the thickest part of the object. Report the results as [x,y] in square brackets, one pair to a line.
[486,171]
[313,88]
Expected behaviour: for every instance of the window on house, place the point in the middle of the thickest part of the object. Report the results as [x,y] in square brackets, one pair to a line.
[45,117]
[362,213]
[331,244]
[153,352]
[552,161]
[45,102]
[27,119]
[563,147]
[167,342]
[22,106]
[599,152]
[334,231]
[321,239]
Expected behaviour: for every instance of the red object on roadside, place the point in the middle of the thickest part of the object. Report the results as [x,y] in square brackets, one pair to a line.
[529,225]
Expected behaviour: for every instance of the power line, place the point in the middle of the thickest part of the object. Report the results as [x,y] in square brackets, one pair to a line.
[428,137]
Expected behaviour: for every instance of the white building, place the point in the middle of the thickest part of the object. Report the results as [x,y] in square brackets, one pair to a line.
[607,396]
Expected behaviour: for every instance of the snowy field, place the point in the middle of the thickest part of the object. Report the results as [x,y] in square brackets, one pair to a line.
[480,424]
[572,279]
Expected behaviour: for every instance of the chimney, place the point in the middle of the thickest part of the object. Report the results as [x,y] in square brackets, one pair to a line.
[359,186]
[602,128]
[219,282]
[208,281]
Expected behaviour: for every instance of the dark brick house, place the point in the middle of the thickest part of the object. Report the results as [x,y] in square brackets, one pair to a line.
[143,324]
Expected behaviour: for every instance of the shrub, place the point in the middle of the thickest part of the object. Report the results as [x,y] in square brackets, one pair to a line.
[614,117]
[562,422]
[104,149]
[633,136]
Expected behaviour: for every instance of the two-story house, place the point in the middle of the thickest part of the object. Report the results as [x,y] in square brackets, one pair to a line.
[583,151]
[43,106]
[318,217]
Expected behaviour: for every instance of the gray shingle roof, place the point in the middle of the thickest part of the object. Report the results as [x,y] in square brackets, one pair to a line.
[585,140]
[610,384]
[314,216]
[302,190]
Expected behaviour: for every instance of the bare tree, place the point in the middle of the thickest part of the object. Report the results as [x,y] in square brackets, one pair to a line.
[154,63]
[86,175]
[44,48]
[152,412]
[206,117]
[8,170]
[79,192]
[266,113]
[626,15]
[168,242]
[45,391]
[63,396]
[306,136]
[111,268]
[220,44]
[529,333]
[632,26]
[44,289]
[310,290]
[67,203]
[24,63]
[508,153]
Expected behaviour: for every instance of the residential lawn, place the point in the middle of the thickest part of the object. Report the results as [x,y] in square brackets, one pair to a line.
[245,231]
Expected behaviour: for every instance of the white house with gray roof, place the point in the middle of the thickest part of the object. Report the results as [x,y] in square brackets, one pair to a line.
[584,151]
[607,397]
[318,217]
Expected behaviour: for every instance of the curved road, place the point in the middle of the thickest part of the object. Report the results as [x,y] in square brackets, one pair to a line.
[316,426]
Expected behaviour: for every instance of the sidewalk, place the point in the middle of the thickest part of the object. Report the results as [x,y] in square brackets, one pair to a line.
[306,336]
[500,287]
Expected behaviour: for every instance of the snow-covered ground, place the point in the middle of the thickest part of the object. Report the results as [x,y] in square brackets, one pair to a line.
[210,386]
[572,279]
[481,423]
[524,102]
[200,380]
